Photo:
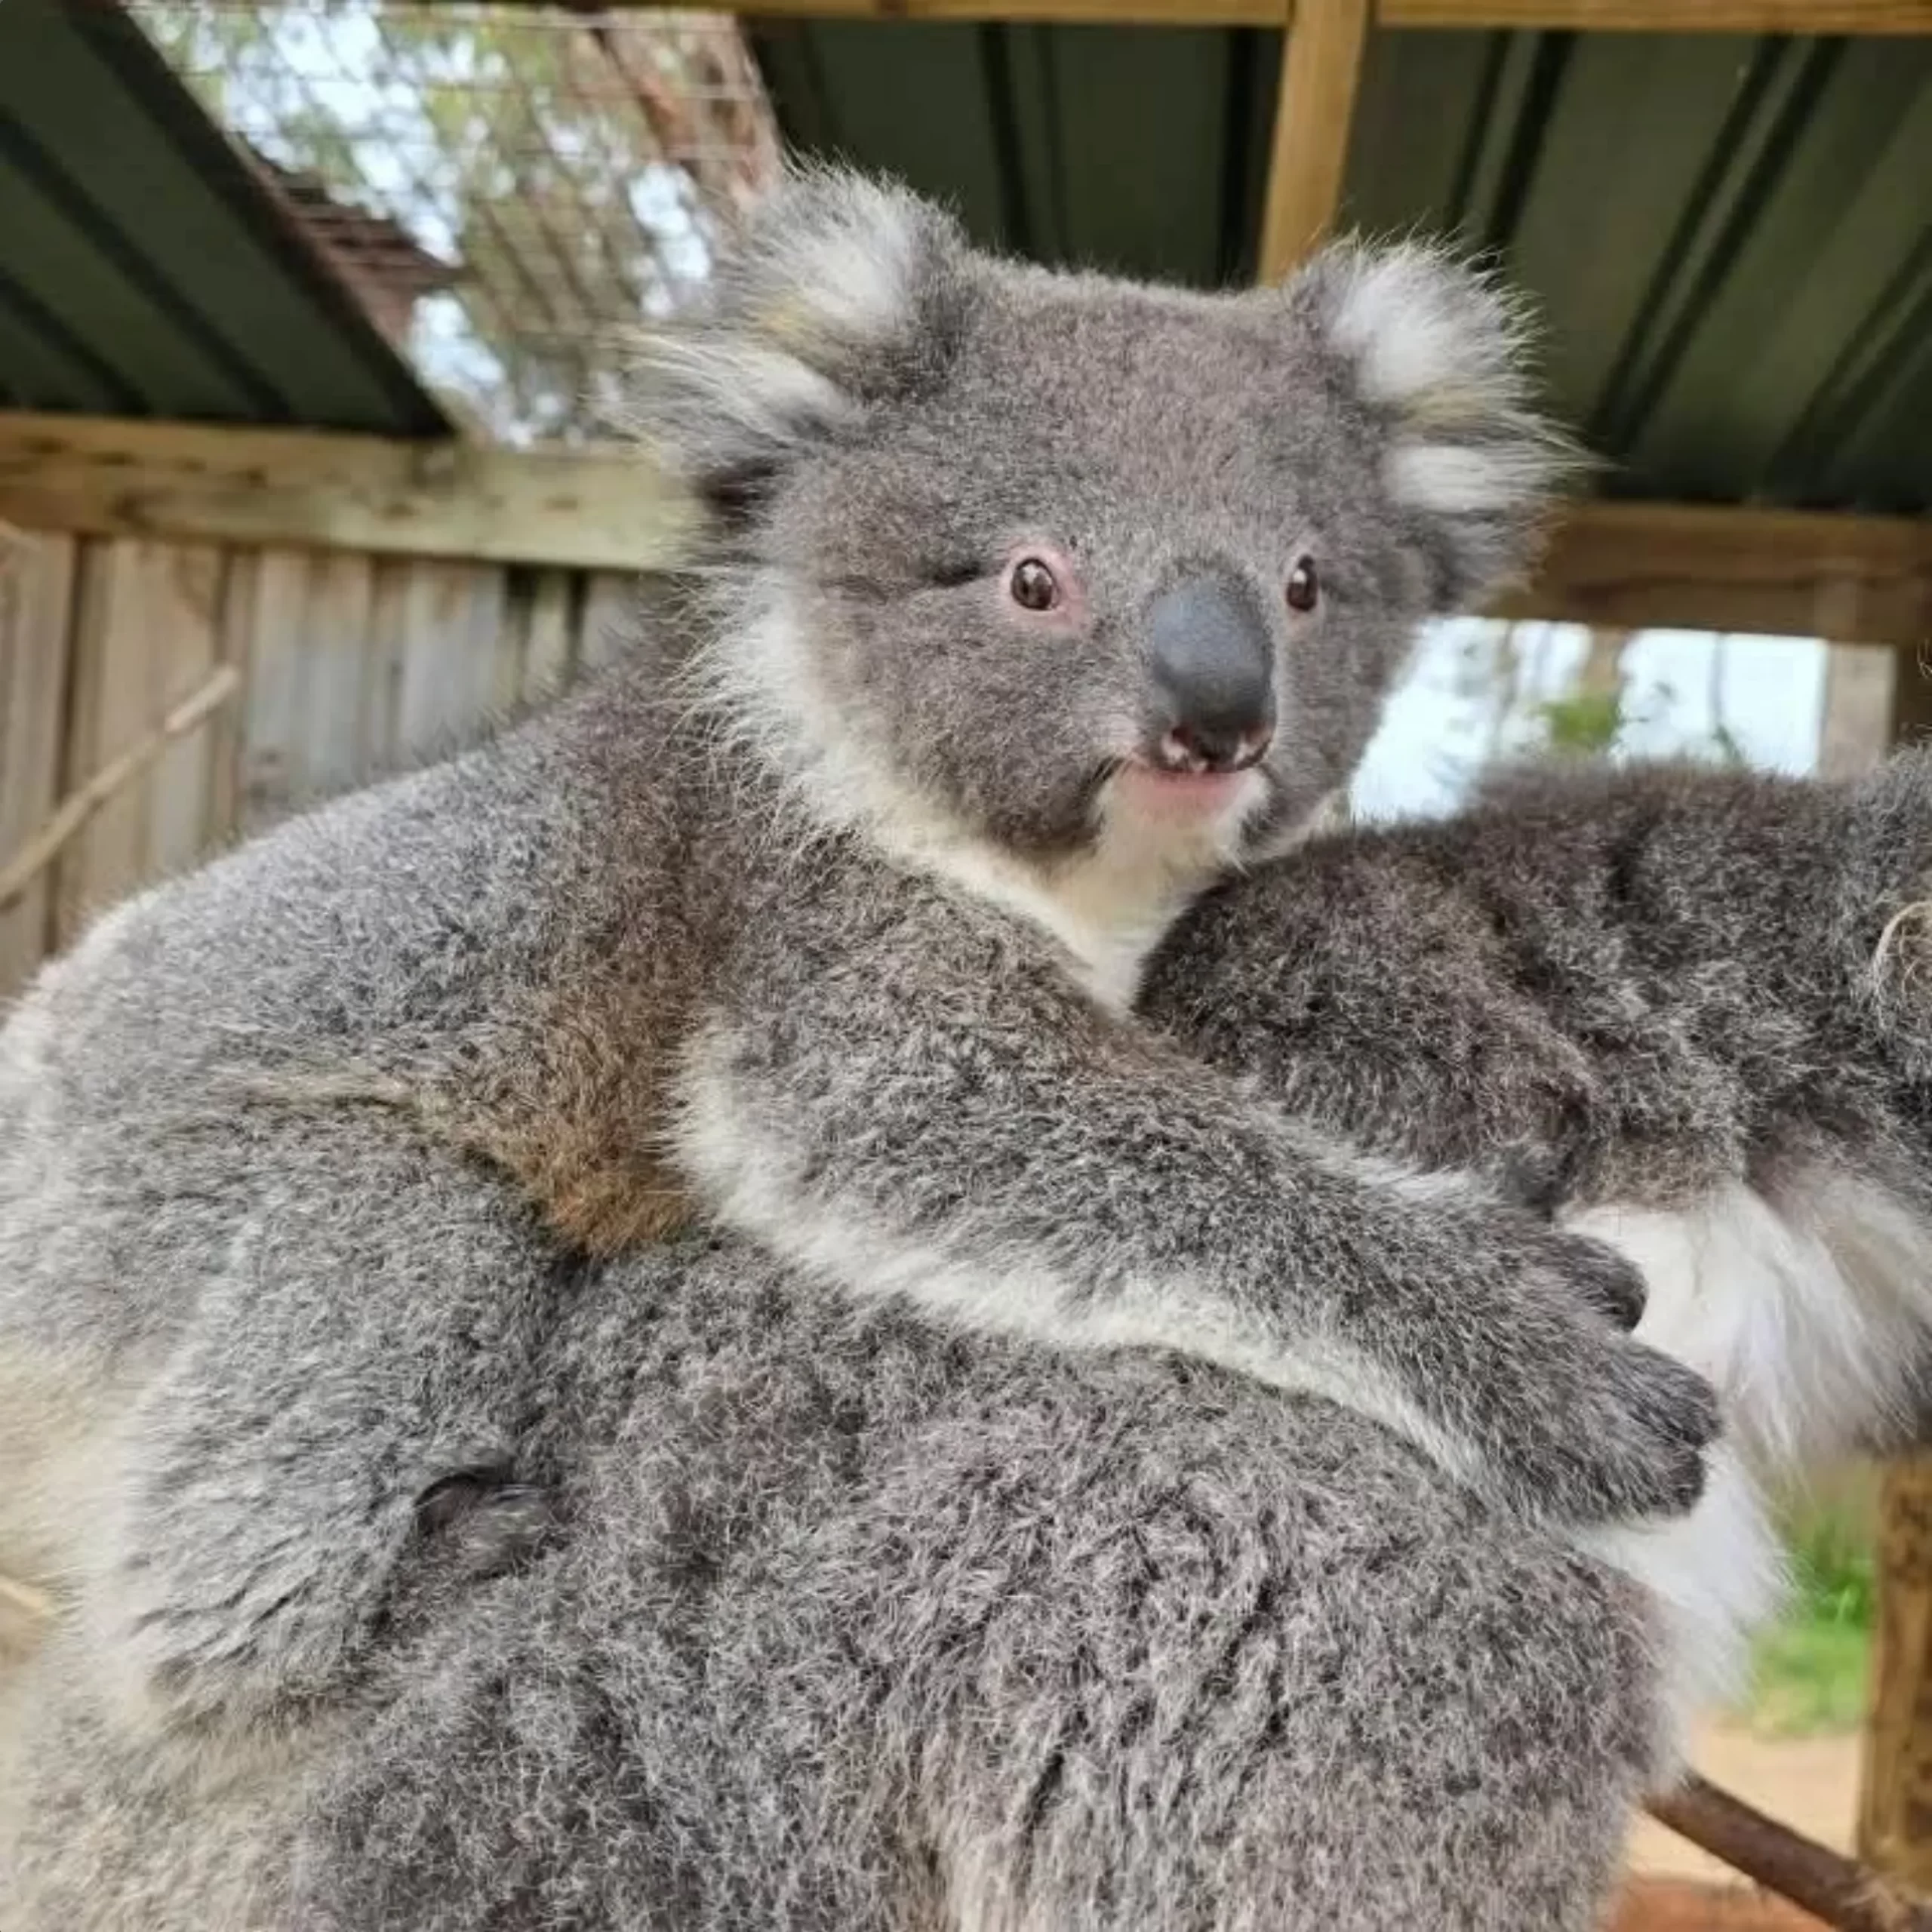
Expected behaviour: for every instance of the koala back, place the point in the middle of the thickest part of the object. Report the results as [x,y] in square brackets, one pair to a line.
[858,1625]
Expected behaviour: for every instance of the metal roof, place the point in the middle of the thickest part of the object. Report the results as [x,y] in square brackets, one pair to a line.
[145,270]
[1730,236]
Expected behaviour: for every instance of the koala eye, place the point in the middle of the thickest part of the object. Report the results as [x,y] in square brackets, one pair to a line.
[1032,585]
[1304,590]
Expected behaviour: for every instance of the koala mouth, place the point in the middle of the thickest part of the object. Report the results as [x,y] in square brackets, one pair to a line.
[1162,792]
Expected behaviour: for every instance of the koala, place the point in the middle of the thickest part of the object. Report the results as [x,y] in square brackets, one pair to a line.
[1043,602]
[819,1582]
[1682,1007]
[847,1616]
[853,1620]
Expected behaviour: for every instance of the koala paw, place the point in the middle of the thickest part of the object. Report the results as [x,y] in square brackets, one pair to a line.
[210,1619]
[1577,1421]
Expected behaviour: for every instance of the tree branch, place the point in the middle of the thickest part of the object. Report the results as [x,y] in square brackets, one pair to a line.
[1839,1890]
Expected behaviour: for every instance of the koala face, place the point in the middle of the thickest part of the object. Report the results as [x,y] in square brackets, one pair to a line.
[1038,553]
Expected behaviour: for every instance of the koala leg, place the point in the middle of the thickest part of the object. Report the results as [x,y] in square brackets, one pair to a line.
[349,1390]
[857,1625]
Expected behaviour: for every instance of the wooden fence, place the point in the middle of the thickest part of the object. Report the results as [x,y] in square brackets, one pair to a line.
[349,664]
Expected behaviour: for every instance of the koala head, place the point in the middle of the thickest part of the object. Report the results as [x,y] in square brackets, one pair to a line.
[1040,556]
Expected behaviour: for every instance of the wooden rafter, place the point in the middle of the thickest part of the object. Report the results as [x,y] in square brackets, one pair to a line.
[1321,73]
[1792,17]
[602,509]
[1623,566]
[1853,579]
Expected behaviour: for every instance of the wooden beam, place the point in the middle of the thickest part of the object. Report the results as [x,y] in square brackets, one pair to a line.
[1108,13]
[1790,16]
[594,509]
[1618,566]
[1321,72]
[1853,579]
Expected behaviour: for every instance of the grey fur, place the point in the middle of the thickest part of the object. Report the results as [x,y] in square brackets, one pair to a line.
[1639,990]
[845,1615]
[855,1625]
[798,913]
[1596,986]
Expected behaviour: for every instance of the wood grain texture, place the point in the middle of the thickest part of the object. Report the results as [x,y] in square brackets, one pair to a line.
[1790,16]
[36,602]
[1895,1809]
[1321,75]
[603,509]
[1849,579]
[146,632]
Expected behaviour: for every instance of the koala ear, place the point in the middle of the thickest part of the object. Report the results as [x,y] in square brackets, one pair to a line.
[1441,355]
[835,294]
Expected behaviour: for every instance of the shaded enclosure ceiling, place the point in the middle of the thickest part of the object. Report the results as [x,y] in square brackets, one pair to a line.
[145,268]
[1729,237]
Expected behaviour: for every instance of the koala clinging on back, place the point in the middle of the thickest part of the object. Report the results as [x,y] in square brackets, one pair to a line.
[1050,598]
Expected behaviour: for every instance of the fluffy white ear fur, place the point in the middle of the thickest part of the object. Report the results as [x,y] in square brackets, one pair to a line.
[1441,353]
[826,284]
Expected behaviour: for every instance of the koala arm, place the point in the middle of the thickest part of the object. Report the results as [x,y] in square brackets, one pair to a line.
[1629,985]
[927,1115]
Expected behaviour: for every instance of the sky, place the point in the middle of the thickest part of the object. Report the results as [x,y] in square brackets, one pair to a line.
[1766,693]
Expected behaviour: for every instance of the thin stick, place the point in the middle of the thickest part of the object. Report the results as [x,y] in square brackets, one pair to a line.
[40,851]
[1837,1889]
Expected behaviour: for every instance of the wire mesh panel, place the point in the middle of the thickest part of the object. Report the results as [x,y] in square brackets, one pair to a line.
[506,188]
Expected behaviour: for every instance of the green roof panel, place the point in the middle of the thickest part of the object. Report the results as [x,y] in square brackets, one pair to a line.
[145,270]
[1729,237]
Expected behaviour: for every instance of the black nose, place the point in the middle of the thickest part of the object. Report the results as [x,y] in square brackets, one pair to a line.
[1212,660]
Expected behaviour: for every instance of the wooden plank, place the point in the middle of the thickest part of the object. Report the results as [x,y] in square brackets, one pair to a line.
[1792,17]
[1856,731]
[266,620]
[1104,13]
[539,611]
[1321,75]
[1637,566]
[612,610]
[184,622]
[36,602]
[147,631]
[1895,1796]
[595,509]
[453,649]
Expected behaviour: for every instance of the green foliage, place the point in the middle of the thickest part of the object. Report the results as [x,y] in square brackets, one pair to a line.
[1585,724]
[1811,1669]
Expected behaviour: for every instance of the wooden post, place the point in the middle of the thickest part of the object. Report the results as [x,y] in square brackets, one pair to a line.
[1860,693]
[1895,1799]
[1320,70]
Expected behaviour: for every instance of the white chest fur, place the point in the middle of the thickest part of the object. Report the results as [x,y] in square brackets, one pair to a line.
[1807,1312]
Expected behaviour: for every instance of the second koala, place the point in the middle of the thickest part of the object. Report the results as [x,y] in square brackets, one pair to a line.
[1049,599]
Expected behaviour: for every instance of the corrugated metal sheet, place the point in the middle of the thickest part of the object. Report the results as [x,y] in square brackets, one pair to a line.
[1729,237]
[143,270]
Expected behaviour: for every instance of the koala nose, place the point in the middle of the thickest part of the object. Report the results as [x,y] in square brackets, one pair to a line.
[1212,657]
